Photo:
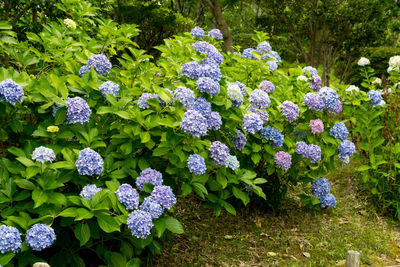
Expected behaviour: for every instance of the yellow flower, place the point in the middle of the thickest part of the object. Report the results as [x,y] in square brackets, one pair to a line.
[70,23]
[52,129]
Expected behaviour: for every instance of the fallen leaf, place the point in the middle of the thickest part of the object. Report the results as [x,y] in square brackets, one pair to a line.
[306,254]
[341,263]
[301,245]
[271,254]
[258,223]
[397,260]
[349,245]
[263,234]
[228,237]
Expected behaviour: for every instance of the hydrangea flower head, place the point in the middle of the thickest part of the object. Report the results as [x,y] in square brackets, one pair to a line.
[83,70]
[212,53]
[283,160]
[128,196]
[211,71]
[347,148]
[363,61]
[336,109]
[290,110]
[302,78]
[43,154]
[151,206]
[234,93]
[10,239]
[109,87]
[197,32]
[10,91]
[242,87]
[140,223]
[316,126]
[219,152]
[272,55]
[215,33]
[214,121]
[272,65]
[202,106]
[310,71]
[248,53]
[315,83]
[262,113]
[352,88]
[314,102]
[70,23]
[89,191]
[264,47]
[208,85]
[302,149]
[52,129]
[320,187]
[142,101]
[149,176]
[192,70]
[328,200]
[196,164]
[259,99]
[40,236]
[232,163]
[185,96]
[394,62]
[252,123]
[78,111]
[345,159]
[100,64]
[89,162]
[164,196]
[267,86]
[377,81]
[194,123]
[314,153]
[272,134]
[240,140]
[329,96]
[375,97]
[339,131]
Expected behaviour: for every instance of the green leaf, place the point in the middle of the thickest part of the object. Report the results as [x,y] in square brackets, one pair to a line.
[117,259]
[240,195]
[108,223]
[363,168]
[27,162]
[160,226]
[24,184]
[200,189]
[145,137]
[228,207]
[221,179]
[32,171]
[186,189]
[39,197]
[60,116]
[69,212]
[173,225]
[82,233]
[6,258]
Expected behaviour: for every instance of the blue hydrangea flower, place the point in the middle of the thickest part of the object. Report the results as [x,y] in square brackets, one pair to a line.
[128,196]
[310,71]
[78,111]
[40,236]
[192,70]
[193,122]
[214,121]
[328,200]
[272,55]
[375,97]
[196,164]
[142,101]
[252,123]
[248,53]
[202,106]
[302,149]
[140,223]
[267,86]
[242,87]
[151,206]
[290,110]
[212,53]
[185,96]
[215,33]
[339,131]
[314,102]
[272,134]
[345,159]
[212,71]
[89,162]
[164,196]
[314,153]
[83,70]
[149,176]
[89,191]
[299,134]
[100,64]
[259,99]
[264,47]
[197,32]
[43,154]
[329,96]
[347,148]
[109,87]
[239,141]
[320,187]
[336,109]
[272,66]
[208,85]
[11,92]
[262,113]
[219,153]
[10,239]
[315,83]
[283,160]
[232,162]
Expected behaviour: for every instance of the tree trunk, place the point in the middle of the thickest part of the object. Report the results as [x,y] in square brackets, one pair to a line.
[215,9]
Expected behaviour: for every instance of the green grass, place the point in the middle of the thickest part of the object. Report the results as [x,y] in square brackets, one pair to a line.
[258,238]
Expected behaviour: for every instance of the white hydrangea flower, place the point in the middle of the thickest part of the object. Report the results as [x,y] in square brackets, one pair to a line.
[70,23]
[352,88]
[302,78]
[377,81]
[234,92]
[394,62]
[382,103]
[363,61]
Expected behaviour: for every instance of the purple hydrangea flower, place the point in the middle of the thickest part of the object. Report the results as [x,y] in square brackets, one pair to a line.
[272,65]
[185,96]
[140,223]
[89,191]
[302,149]
[202,106]
[272,134]
[339,131]
[290,110]
[43,154]
[316,126]
[314,153]
[267,86]
[212,71]
[329,96]
[196,164]
[151,206]
[212,53]
[320,187]
[336,109]
[219,152]
[149,176]
[259,99]
[315,83]
[214,121]
[78,111]
[128,196]
[193,122]
[248,53]
[40,236]
[100,64]
[83,70]
[283,160]
[215,33]
[240,140]
[262,113]
[208,85]
[375,97]
[328,200]
[264,47]
[347,148]
[109,87]
[252,123]
[192,70]
[314,102]
[232,163]
[164,196]
[197,32]
[10,91]
[10,239]
[89,162]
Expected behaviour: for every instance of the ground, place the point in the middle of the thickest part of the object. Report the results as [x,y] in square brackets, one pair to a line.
[295,237]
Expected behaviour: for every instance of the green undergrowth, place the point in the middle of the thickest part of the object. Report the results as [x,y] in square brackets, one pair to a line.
[256,237]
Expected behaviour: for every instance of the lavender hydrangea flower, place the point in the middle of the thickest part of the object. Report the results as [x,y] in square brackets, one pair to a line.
[197,32]
[232,163]
[89,191]
[185,96]
[320,187]
[345,159]
[283,160]
[248,53]
[10,91]
[43,154]
[212,71]
[272,134]
[78,111]
[328,200]
[140,223]
[100,64]
[316,126]
[314,102]
[240,140]
[339,131]
[40,236]
[109,87]
[192,70]
[272,65]
[252,123]
[163,195]
[310,71]
[128,196]
[314,153]
[151,206]
[212,53]
[336,109]
[302,149]
[290,110]
[149,176]
[259,99]
[315,83]
[142,101]
[196,164]
[202,106]
[215,33]
[208,85]
[214,121]
[272,55]
[264,47]
[329,96]
[219,153]
[347,148]
[193,122]
[262,113]
[375,97]
[10,239]
[89,162]
[83,70]
[267,86]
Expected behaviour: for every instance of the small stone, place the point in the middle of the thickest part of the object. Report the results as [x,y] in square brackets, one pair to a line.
[306,254]
[271,254]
